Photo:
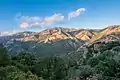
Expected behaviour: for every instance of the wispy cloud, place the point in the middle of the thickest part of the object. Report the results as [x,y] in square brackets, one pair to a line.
[52,19]
[24,25]
[7,33]
[28,22]
[47,21]
[75,13]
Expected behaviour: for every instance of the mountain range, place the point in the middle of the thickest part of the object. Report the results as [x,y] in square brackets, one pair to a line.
[58,40]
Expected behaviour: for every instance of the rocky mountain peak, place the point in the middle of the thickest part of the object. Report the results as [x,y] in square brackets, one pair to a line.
[85,35]
[104,32]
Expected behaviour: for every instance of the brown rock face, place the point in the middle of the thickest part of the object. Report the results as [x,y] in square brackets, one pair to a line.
[107,31]
[52,34]
[59,33]
[111,29]
[49,35]
[30,38]
[85,35]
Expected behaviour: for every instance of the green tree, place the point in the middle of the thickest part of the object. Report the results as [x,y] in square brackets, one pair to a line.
[51,68]
[22,76]
[3,74]
[4,57]
[24,61]
[4,71]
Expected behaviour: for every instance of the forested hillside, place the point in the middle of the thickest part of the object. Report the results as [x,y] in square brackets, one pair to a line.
[98,61]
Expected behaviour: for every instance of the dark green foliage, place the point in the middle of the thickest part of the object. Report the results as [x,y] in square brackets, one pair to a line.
[106,67]
[4,71]
[3,74]
[4,57]
[102,61]
[22,76]
[24,61]
[25,58]
[51,68]
[94,62]
[85,71]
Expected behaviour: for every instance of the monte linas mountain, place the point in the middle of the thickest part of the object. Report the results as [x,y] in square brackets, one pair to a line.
[58,40]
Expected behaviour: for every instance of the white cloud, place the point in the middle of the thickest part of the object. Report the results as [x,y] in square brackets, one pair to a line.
[75,13]
[7,33]
[28,22]
[47,21]
[24,25]
[52,19]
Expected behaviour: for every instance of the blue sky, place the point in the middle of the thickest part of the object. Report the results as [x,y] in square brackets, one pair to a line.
[20,15]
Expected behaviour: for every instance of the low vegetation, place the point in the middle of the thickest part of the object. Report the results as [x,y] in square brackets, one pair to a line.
[95,62]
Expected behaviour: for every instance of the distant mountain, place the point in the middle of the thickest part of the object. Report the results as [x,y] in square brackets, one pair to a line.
[59,40]
[6,38]
[6,33]
[85,35]
[51,35]
[59,33]
[105,32]
[50,41]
